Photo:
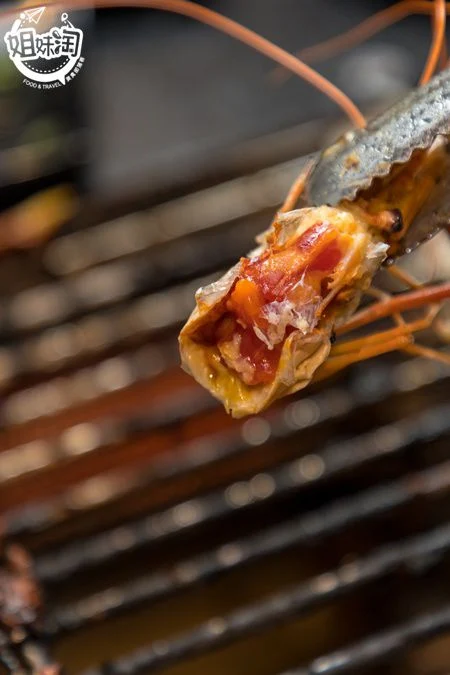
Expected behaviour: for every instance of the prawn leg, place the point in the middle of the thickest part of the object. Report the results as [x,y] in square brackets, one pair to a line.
[388,335]
[427,353]
[395,339]
[402,303]
[404,276]
[383,296]
[297,188]
[375,345]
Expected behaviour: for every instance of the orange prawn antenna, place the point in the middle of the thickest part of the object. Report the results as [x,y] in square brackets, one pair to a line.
[438,40]
[443,58]
[235,30]
[365,30]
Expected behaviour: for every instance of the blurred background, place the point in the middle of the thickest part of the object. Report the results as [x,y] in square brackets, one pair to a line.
[164,535]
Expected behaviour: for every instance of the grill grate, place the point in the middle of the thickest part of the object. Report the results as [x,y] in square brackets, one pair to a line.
[375,649]
[380,647]
[135,493]
[305,531]
[296,475]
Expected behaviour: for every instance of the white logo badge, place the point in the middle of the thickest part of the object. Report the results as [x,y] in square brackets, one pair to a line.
[47,60]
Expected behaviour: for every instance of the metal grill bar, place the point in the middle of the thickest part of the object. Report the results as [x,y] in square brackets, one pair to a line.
[22,651]
[126,285]
[375,385]
[8,658]
[281,607]
[206,451]
[19,462]
[409,554]
[142,317]
[196,212]
[227,202]
[380,647]
[262,487]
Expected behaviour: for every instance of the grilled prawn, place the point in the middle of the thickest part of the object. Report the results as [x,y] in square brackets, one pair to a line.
[266,328]
[262,330]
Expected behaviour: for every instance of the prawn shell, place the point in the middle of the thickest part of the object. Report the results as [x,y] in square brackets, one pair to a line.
[300,356]
[360,156]
[298,362]
[433,217]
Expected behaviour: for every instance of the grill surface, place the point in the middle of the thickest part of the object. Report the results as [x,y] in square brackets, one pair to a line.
[313,539]
[162,530]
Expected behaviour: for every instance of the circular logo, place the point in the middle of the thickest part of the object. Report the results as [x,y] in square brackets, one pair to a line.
[49,59]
